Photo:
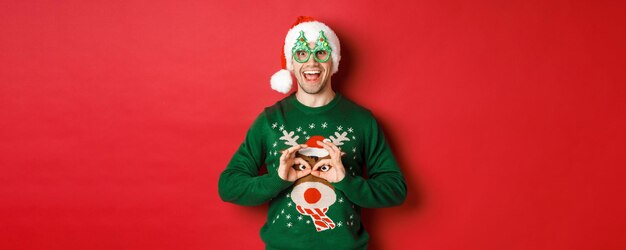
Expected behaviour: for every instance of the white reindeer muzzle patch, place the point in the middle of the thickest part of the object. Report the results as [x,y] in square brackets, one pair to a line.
[313,198]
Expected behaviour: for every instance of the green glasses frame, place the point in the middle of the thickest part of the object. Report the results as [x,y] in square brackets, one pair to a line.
[301,45]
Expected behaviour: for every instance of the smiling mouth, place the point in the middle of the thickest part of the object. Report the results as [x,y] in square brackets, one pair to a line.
[311,75]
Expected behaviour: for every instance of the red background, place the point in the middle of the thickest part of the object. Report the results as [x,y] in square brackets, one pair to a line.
[117,118]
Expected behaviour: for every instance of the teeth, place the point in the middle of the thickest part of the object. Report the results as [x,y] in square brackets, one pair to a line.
[311,72]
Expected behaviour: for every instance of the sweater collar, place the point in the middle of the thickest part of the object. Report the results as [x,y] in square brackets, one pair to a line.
[314,110]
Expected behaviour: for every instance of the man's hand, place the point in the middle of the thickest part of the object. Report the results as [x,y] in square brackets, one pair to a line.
[288,159]
[331,169]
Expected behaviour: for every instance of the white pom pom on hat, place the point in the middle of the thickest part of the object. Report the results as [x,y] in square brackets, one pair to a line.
[282,81]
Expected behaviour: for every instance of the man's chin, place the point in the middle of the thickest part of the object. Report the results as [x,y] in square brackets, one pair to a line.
[312,89]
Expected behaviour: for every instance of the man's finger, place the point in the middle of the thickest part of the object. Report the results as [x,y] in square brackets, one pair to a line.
[303,173]
[301,161]
[331,144]
[337,150]
[316,173]
[333,150]
[283,156]
[294,149]
[328,148]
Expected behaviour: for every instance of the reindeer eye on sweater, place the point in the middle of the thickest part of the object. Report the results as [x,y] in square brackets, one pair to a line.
[300,167]
[324,168]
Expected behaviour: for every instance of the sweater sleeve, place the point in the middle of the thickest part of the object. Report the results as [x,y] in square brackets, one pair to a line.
[240,182]
[384,185]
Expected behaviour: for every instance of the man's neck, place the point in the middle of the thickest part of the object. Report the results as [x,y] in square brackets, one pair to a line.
[315,100]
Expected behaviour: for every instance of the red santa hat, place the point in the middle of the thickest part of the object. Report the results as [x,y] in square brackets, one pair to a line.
[281,81]
[313,148]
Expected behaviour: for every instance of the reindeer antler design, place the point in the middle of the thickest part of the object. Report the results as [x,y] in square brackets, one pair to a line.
[339,139]
[289,138]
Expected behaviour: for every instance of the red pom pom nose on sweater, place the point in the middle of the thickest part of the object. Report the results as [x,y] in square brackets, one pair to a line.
[312,195]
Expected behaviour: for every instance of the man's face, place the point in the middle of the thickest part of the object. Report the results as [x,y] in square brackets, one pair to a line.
[313,76]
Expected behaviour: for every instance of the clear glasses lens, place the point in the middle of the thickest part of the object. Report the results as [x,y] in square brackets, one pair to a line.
[301,56]
[322,55]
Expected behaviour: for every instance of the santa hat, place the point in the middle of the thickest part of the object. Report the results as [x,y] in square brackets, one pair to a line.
[313,148]
[281,81]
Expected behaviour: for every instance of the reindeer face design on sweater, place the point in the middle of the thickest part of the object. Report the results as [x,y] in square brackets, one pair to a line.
[313,195]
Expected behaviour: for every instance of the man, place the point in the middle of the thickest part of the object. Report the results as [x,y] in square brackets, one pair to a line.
[315,144]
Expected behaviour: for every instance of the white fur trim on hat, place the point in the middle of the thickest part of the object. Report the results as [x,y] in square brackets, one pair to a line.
[281,81]
[311,32]
[317,152]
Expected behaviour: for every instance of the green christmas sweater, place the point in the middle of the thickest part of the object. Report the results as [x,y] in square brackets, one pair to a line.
[312,213]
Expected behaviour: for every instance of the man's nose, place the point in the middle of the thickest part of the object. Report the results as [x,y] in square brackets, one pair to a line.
[311,61]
